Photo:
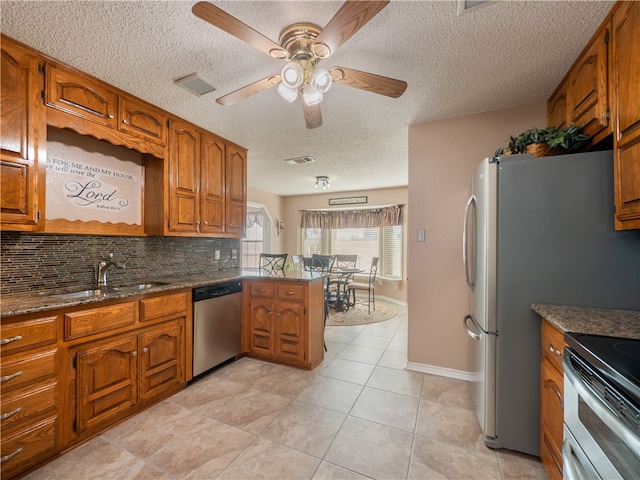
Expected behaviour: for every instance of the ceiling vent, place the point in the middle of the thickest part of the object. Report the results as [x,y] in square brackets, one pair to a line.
[195,84]
[299,160]
[467,5]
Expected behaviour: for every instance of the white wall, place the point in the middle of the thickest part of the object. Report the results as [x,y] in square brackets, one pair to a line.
[442,157]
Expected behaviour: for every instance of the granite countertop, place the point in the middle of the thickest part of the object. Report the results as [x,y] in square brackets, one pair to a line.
[594,321]
[41,301]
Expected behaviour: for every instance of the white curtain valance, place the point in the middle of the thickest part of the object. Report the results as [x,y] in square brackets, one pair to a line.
[336,219]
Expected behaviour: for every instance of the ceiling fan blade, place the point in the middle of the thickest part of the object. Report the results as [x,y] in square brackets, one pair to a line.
[312,115]
[368,81]
[351,17]
[248,90]
[221,19]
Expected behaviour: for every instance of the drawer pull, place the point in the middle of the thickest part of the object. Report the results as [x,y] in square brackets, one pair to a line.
[4,341]
[260,290]
[145,349]
[11,413]
[8,457]
[289,293]
[9,377]
[553,350]
[134,353]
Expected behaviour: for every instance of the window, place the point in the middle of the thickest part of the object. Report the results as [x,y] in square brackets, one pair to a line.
[383,242]
[257,236]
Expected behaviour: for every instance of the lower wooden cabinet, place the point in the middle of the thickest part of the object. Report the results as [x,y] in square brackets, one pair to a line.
[283,321]
[68,376]
[551,400]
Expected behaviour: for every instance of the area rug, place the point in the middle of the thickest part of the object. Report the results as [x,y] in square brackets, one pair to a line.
[357,315]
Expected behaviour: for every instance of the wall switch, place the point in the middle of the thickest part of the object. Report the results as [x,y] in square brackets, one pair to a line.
[234,253]
[421,235]
[216,255]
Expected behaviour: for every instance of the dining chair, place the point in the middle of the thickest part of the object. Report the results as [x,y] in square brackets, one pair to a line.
[370,287]
[340,280]
[273,261]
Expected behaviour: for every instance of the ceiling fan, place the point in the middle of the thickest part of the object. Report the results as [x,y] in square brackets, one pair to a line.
[303,45]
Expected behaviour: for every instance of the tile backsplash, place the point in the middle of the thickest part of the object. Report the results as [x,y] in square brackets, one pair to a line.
[33,262]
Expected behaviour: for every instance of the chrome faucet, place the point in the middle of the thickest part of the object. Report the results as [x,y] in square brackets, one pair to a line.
[103,266]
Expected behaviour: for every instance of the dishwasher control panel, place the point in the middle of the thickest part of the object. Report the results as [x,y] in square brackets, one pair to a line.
[219,290]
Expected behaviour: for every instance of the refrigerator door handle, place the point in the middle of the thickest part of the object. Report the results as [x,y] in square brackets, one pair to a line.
[470,277]
[470,332]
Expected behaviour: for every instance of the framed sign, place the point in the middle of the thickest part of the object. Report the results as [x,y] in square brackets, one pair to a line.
[347,200]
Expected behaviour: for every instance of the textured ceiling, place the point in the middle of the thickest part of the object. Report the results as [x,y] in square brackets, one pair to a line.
[505,54]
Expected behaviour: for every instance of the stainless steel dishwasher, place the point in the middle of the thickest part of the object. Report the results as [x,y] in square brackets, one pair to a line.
[216,325]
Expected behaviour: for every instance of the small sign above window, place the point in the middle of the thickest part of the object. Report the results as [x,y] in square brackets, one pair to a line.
[347,200]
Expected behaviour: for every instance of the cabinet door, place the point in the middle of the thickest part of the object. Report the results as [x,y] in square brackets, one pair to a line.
[80,95]
[236,179]
[212,183]
[557,107]
[161,360]
[184,172]
[290,332]
[552,417]
[626,100]
[261,334]
[142,120]
[588,87]
[23,140]
[106,381]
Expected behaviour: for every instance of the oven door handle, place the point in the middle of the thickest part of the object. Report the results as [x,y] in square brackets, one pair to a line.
[599,408]
[575,465]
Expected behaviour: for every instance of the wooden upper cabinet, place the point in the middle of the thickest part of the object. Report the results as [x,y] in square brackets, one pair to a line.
[184,172]
[140,119]
[588,91]
[212,184]
[236,181]
[23,139]
[557,111]
[626,107]
[80,95]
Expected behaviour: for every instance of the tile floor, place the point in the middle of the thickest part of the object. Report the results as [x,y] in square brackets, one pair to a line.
[358,415]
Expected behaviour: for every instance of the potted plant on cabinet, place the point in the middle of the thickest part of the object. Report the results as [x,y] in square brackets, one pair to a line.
[544,142]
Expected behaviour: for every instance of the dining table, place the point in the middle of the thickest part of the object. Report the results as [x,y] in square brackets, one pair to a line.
[340,277]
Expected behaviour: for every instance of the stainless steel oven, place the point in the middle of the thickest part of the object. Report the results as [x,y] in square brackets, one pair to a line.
[601,408]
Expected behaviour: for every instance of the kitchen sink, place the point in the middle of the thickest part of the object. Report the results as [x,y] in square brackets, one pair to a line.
[102,291]
[137,287]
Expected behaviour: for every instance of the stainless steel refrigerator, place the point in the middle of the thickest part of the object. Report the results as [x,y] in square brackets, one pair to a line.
[537,230]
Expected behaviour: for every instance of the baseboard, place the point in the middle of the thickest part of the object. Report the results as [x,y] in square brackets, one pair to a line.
[440,371]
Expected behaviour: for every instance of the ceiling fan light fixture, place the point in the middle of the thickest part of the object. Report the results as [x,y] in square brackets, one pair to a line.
[321,80]
[292,75]
[289,94]
[311,96]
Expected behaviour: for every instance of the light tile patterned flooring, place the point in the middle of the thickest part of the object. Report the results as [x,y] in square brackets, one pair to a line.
[358,415]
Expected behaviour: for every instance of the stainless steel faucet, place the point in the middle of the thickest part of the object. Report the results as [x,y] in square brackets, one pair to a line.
[103,266]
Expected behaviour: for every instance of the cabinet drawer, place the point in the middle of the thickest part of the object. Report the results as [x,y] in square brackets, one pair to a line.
[22,405]
[262,289]
[21,370]
[164,306]
[552,345]
[29,445]
[28,334]
[96,320]
[291,292]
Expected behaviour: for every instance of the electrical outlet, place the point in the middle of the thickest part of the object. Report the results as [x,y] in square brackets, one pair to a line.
[216,255]
[234,253]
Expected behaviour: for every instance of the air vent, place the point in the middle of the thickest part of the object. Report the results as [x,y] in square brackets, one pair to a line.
[299,160]
[467,5]
[195,84]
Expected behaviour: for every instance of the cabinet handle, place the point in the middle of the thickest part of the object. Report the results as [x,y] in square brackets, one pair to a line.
[553,350]
[289,293]
[8,457]
[110,115]
[11,413]
[206,223]
[9,377]
[260,290]
[125,121]
[145,350]
[4,341]
[232,225]
[134,353]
